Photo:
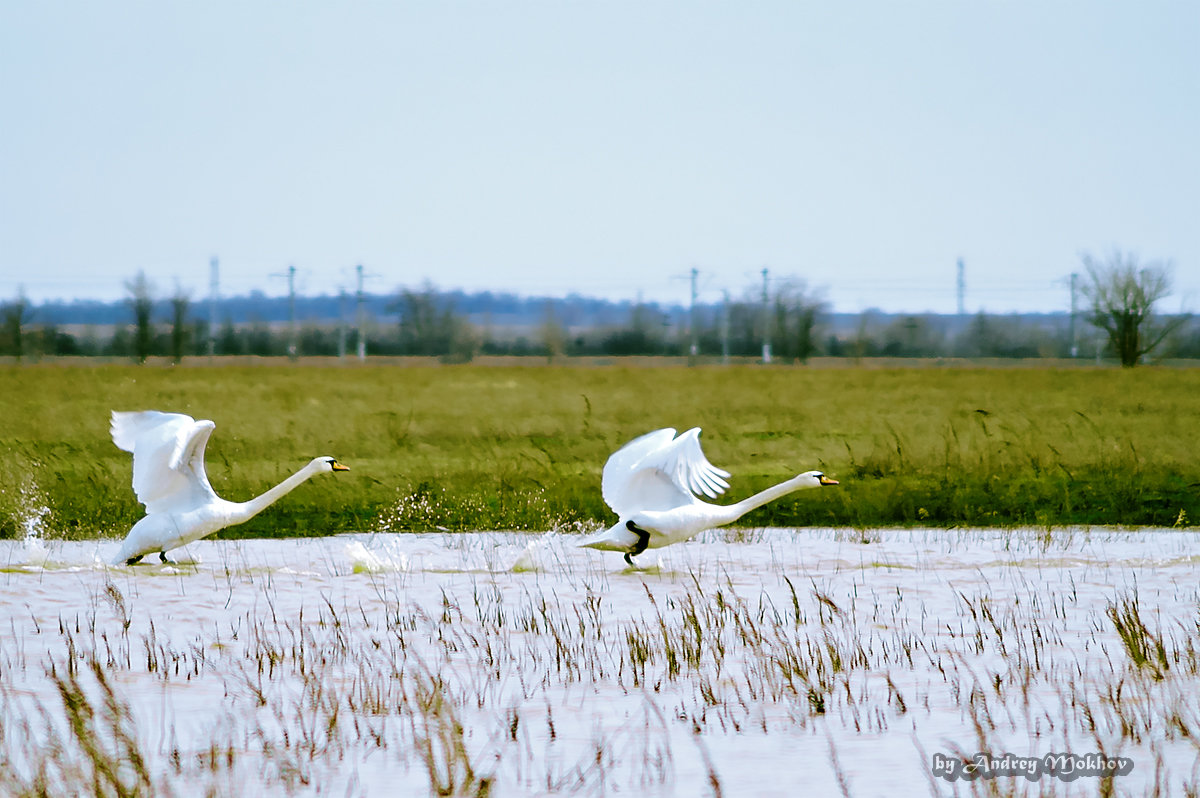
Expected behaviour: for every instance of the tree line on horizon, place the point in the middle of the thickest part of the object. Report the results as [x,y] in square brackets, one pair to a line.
[792,323]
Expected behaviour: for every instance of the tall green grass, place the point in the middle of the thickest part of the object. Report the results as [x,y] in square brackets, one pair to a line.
[477,447]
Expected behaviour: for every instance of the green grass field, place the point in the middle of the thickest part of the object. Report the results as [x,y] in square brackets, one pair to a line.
[488,447]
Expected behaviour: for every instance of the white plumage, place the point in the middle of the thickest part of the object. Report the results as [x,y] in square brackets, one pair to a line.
[653,484]
[168,457]
[659,471]
[169,479]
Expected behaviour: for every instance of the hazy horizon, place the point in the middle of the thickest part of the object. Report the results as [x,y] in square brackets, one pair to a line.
[198,304]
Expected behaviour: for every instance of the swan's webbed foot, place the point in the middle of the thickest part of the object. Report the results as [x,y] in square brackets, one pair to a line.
[642,542]
[135,560]
[162,556]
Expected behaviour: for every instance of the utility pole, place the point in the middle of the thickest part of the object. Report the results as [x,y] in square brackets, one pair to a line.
[213,290]
[1071,334]
[694,350]
[361,317]
[341,324]
[962,291]
[293,350]
[725,330]
[766,320]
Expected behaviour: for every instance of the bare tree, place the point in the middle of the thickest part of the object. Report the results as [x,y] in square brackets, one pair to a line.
[425,328]
[796,313]
[551,333]
[429,326]
[1122,293]
[141,302]
[179,332]
[16,316]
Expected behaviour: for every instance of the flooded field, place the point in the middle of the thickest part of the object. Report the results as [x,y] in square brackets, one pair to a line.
[758,662]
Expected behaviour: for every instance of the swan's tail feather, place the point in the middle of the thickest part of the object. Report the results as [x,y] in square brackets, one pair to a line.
[617,538]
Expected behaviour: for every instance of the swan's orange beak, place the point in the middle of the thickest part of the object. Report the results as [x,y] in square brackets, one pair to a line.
[336,466]
[824,480]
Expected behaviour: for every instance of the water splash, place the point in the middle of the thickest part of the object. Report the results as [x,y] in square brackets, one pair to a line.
[31,514]
[541,555]
[529,559]
[33,552]
[422,509]
[32,510]
[365,561]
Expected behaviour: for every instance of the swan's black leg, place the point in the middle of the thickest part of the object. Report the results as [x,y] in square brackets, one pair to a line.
[135,560]
[642,542]
[162,555]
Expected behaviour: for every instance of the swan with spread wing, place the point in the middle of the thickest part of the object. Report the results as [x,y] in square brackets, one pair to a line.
[653,484]
[169,478]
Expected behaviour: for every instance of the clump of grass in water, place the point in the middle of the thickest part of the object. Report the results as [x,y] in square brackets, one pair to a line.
[100,754]
[1145,648]
[440,742]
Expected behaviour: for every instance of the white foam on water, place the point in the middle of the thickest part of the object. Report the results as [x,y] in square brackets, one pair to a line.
[544,553]
[33,552]
[364,560]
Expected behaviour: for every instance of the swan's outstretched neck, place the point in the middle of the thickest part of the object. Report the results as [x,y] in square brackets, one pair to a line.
[246,510]
[737,510]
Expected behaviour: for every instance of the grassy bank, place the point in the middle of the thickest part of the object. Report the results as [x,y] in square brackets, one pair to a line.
[473,447]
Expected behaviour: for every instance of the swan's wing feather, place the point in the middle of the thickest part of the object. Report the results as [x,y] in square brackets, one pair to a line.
[192,454]
[127,428]
[168,457]
[620,468]
[659,471]
[683,462]
[650,489]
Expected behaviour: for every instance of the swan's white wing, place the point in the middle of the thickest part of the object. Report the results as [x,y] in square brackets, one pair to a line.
[684,463]
[126,428]
[659,472]
[168,457]
[620,468]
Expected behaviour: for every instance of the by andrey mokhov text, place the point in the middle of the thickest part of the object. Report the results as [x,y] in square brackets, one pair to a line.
[1066,767]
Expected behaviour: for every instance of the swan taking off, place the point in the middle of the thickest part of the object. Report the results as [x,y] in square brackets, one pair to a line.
[169,478]
[652,484]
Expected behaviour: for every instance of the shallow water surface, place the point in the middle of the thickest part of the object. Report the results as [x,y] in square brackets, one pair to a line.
[753,662]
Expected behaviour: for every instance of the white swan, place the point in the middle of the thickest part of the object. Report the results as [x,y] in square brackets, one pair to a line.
[652,483]
[169,478]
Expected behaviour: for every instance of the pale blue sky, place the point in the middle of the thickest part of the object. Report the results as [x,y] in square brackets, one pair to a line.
[604,148]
